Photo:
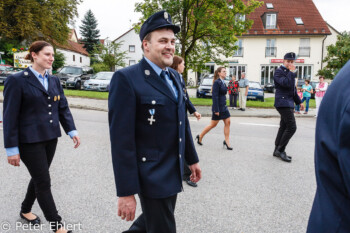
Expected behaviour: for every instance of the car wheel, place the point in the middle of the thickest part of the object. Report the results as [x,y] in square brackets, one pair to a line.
[78,85]
[263,99]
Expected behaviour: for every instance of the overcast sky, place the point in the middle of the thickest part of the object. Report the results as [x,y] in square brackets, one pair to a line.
[115,17]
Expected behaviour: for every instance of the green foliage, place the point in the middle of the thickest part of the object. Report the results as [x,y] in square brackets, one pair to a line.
[89,31]
[59,61]
[111,55]
[6,46]
[337,56]
[208,28]
[98,67]
[30,20]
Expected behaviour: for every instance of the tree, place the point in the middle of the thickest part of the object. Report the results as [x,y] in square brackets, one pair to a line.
[89,31]
[111,55]
[59,60]
[208,27]
[337,56]
[29,20]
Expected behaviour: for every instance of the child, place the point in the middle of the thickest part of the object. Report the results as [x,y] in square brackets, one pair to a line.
[299,107]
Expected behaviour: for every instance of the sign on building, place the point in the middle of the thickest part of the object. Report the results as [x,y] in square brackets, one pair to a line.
[19,61]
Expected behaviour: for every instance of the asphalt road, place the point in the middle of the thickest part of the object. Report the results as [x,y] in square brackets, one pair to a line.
[244,190]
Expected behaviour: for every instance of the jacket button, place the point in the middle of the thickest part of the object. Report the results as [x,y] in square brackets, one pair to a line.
[49,97]
[50,113]
[180,140]
[143,159]
[180,123]
[153,102]
[50,121]
[49,105]
[180,156]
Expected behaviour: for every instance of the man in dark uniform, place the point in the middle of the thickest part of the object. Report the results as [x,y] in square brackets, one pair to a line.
[285,97]
[331,208]
[150,132]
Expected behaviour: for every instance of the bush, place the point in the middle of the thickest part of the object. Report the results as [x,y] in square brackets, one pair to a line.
[98,67]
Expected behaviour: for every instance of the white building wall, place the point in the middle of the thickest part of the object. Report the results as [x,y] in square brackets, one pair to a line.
[131,39]
[85,60]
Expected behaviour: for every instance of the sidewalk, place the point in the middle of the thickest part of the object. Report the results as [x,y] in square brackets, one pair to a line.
[102,105]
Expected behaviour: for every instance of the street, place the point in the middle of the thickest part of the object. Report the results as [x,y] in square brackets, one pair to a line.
[243,190]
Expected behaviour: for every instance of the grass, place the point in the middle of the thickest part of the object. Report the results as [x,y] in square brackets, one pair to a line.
[269,102]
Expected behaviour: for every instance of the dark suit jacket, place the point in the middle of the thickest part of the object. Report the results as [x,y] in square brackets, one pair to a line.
[331,207]
[286,94]
[148,159]
[219,96]
[190,107]
[31,113]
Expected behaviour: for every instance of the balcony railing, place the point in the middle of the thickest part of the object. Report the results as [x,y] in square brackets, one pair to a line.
[270,51]
[304,51]
[239,52]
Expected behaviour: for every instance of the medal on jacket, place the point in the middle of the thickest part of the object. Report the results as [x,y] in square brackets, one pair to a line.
[152,112]
[55,98]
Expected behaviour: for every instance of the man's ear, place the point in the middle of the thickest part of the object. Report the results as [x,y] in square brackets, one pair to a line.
[145,44]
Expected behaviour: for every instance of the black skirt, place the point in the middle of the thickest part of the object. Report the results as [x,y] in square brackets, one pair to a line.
[222,116]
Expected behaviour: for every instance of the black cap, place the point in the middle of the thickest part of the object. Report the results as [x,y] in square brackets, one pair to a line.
[290,56]
[161,19]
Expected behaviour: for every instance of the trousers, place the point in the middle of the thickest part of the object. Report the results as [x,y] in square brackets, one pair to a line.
[157,216]
[37,157]
[242,97]
[233,100]
[287,128]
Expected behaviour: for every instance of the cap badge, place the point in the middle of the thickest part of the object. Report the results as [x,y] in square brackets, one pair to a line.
[26,73]
[147,72]
[166,16]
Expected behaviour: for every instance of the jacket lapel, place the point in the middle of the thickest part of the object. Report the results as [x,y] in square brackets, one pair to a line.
[152,78]
[32,80]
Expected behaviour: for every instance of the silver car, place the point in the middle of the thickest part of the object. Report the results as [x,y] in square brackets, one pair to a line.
[99,81]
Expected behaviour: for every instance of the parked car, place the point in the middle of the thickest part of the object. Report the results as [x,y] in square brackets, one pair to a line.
[204,89]
[301,82]
[99,81]
[5,71]
[270,87]
[255,92]
[74,77]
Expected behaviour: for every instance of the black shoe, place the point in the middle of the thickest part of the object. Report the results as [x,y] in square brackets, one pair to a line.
[190,183]
[277,154]
[227,147]
[240,109]
[243,109]
[200,143]
[34,222]
[283,156]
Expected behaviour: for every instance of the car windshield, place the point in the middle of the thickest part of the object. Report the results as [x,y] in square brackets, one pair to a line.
[207,81]
[2,68]
[254,85]
[70,70]
[103,76]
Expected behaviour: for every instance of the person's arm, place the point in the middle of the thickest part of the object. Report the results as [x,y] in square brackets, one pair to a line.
[12,107]
[324,87]
[191,154]
[284,80]
[343,148]
[215,96]
[247,87]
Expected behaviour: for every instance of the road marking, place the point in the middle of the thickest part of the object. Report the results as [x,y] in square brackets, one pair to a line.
[267,125]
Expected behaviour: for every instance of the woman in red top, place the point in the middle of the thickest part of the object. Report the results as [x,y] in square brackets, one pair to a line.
[233,92]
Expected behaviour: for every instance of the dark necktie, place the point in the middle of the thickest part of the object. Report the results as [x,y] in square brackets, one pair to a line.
[162,75]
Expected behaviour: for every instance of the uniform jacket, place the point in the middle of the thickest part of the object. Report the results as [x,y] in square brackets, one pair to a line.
[190,107]
[32,114]
[219,96]
[286,93]
[331,208]
[148,155]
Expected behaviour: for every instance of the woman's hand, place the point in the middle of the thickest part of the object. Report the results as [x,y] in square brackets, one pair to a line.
[217,113]
[76,141]
[14,160]
[197,115]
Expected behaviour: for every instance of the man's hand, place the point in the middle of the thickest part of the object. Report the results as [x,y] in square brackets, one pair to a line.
[197,115]
[217,113]
[76,141]
[127,207]
[196,172]
[292,67]
[14,160]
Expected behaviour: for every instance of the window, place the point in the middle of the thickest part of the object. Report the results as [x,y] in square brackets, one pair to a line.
[270,21]
[304,48]
[81,59]
[73,57]
[132,62]
[237,70]
[271,50]
[269,5]
[267,73]
[304,72]
[299,21]
[131,48]
[239,51]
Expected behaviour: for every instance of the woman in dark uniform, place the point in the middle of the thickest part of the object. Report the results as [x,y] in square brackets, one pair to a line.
[219,108]
[34,107]
[179,66]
